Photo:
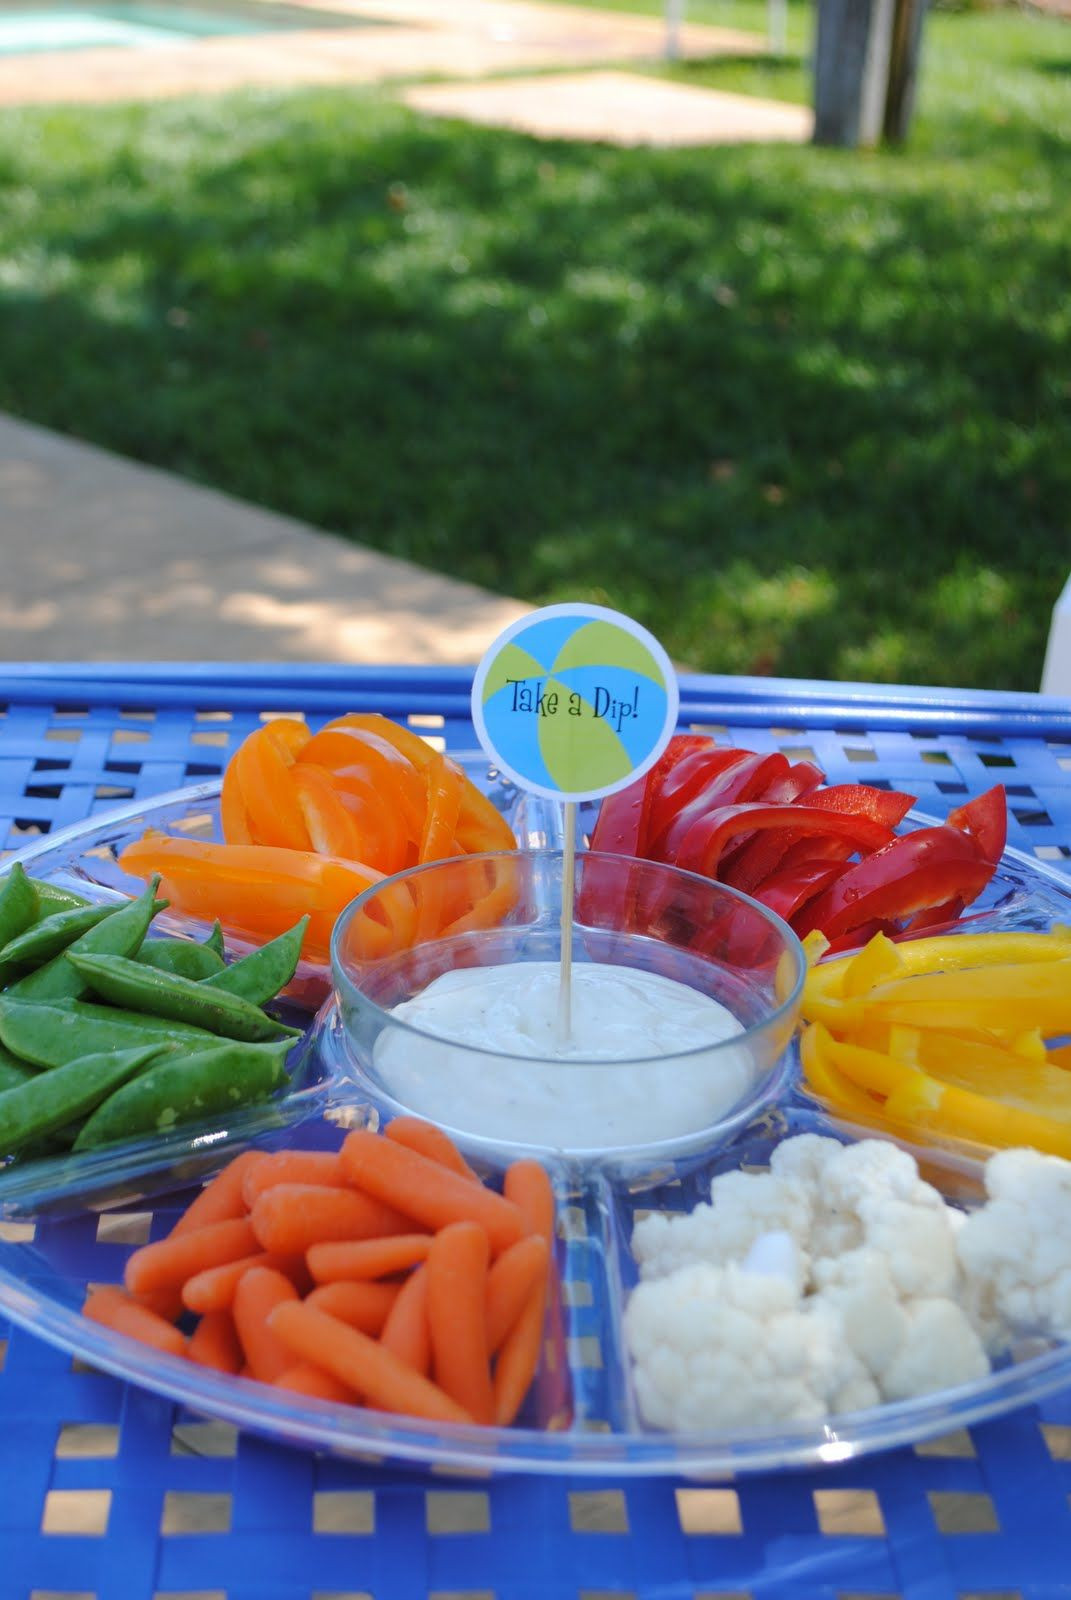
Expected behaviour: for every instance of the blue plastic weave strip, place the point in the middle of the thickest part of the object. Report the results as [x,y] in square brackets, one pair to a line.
[110,1492]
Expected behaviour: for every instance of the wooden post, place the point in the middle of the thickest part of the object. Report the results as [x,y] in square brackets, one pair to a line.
[906,47]
[851,70]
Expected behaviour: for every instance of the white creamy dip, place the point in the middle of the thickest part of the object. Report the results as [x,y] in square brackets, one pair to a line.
[566,1098]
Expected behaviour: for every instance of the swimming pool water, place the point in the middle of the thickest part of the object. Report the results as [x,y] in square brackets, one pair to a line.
[48,27]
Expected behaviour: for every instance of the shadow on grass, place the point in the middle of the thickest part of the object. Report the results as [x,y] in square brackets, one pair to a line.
[794,413]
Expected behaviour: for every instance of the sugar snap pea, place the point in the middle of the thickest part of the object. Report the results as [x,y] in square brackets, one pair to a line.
[50,935]
[182,956]
[180,1090]
[215,940]
[51,897]
[51,1033]
[165,994]
[120,934]
[260,975]
[18,903]
[52,1100]
[13,1071]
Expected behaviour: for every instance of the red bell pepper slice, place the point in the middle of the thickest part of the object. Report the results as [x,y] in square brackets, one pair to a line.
[802,778]
[829,849]
[742,783]
[911,874]
[785,893]
[674,787]
[889,806]
[710,836]
[751,860]
[621,826]
[858,937]
[985,818]
[752,864]
[936,916]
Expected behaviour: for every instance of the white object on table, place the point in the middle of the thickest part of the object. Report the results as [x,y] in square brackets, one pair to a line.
[1056,673]
[776,27]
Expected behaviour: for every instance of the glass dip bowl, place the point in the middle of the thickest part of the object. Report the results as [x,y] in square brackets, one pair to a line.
[685,996]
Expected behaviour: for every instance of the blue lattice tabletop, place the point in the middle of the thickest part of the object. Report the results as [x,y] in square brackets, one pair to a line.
[115,1493]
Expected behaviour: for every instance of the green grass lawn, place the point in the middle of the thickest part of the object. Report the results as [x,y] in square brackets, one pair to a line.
[802,411]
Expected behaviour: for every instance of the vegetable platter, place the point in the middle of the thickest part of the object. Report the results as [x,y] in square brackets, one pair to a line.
[74,1222]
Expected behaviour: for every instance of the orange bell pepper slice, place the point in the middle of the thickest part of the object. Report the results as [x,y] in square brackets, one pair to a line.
[261,890]
[262,765]
[394,778]
[431,889]
[493,889]
[410,745]
[444,780]
[481,826]
[383,838]
[330,825]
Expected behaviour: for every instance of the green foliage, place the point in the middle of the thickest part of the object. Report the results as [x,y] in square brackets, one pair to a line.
[801,411]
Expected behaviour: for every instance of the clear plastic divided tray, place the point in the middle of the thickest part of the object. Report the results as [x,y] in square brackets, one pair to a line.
[71,1221]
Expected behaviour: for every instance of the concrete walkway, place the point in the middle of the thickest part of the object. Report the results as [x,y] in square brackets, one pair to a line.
[105,560]
[616,108]
[412,38]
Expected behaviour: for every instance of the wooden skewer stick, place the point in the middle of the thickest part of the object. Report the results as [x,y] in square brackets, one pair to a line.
[565,983]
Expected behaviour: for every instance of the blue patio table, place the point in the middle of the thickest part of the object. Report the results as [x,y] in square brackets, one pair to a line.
[108,1491]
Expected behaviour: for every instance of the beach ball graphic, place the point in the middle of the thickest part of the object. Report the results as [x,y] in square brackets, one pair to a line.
[575,702]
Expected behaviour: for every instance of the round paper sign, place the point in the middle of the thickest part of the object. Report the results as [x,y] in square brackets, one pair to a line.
[575,702]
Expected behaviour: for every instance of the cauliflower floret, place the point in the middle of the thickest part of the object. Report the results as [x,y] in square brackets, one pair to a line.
[836,1281]
[859,1286]
[940,1351]
[872,1194]
[742,1207]
[805,1158]
[719,1347]
[777,1255]
[1016,1251]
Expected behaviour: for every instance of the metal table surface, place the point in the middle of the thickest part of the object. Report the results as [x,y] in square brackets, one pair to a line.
[110,1492]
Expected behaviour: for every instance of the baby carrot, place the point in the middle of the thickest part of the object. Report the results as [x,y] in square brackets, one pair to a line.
[214,1343]
[363,1305]
[111,1306]
[518,1358]
[366,1258]
[428,1140]
[406,1333]
[169,1262]
[361,1363]
[221,1198]
[527,1185]
[457,1316]
[304,1378]
[259,1291]
[289,1217]
[425,1190]
[166,1302]
[213,1289]
[510,1282]
[292,1166]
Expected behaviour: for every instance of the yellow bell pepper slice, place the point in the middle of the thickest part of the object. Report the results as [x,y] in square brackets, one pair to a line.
[878,962]
[1020,997]
[871,1070]
[938,1107]
[815,944]
[835,1090]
